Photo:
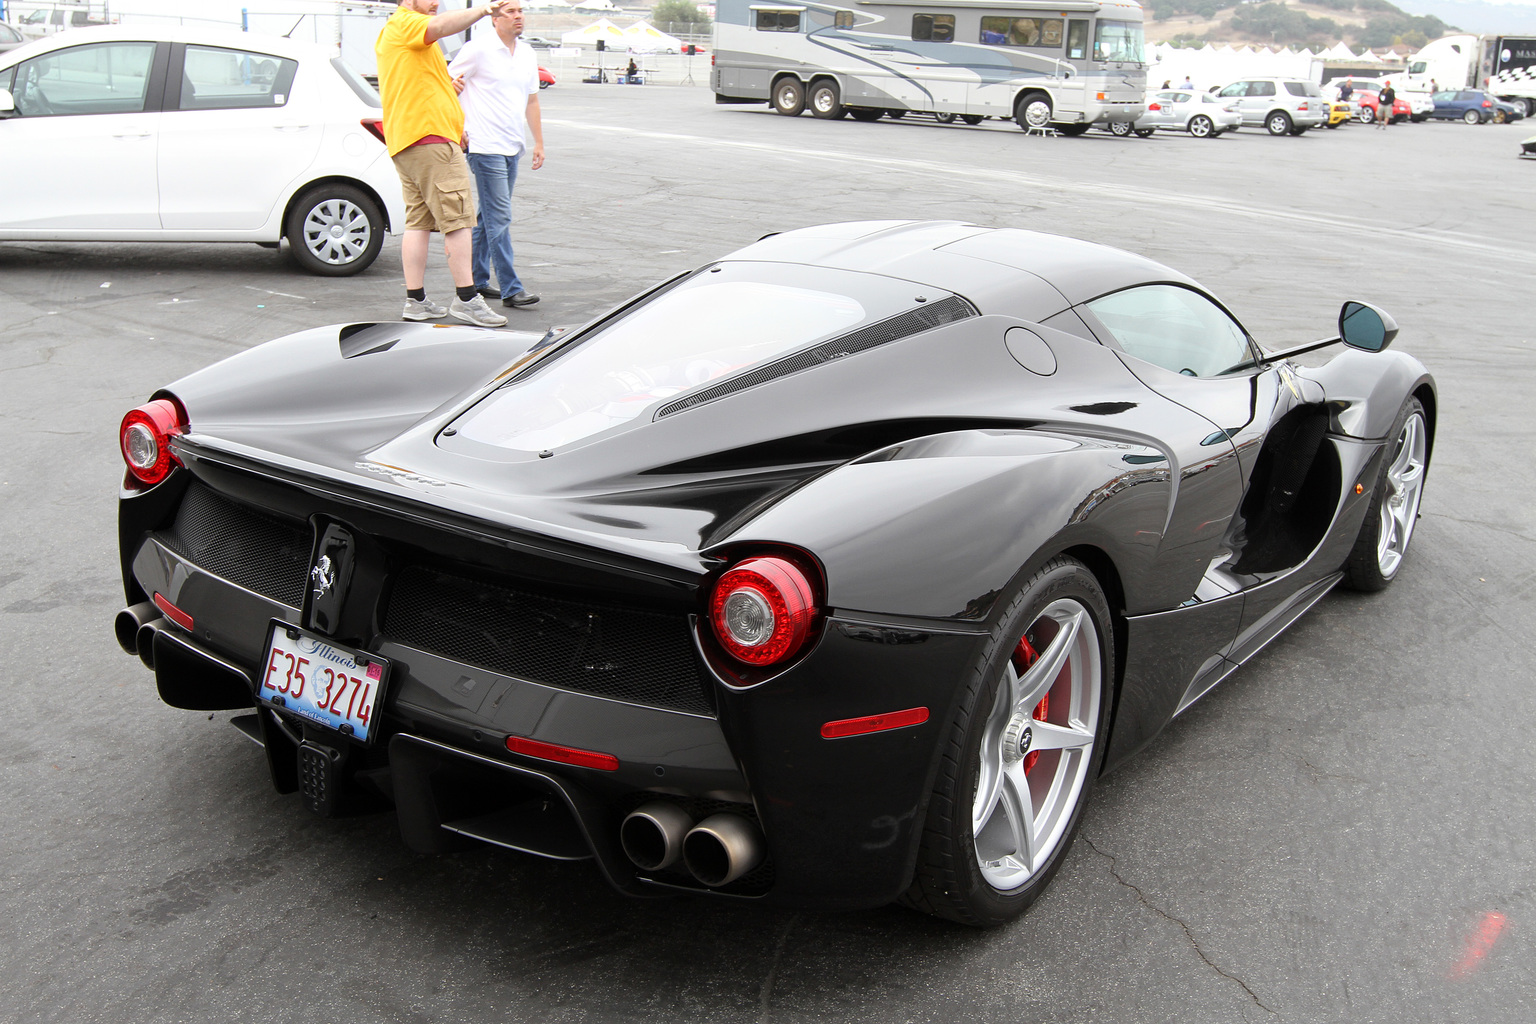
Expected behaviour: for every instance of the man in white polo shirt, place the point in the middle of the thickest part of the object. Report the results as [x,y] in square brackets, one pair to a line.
[499,81]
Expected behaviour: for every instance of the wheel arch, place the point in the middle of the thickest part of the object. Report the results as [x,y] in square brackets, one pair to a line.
[335,179]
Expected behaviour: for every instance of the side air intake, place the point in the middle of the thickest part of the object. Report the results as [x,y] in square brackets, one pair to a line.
[903,325]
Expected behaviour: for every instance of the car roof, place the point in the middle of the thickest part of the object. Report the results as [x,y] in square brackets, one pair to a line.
[231,38]
[1035,273]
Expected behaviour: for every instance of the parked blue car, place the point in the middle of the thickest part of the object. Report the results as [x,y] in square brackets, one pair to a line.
[1470,105]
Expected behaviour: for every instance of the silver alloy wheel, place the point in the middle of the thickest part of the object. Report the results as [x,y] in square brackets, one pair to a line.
[1400,504]
[1019,815]
[337,231]
[1037,112]
[1120,128]
[1200,126]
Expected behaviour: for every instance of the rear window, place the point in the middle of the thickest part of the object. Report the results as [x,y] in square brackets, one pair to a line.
[365,92]
[715,324]
[1303,89]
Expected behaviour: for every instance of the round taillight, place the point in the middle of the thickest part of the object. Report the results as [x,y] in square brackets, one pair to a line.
[145,440]
[762,610]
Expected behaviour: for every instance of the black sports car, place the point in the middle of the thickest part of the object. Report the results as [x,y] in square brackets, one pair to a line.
[833,572]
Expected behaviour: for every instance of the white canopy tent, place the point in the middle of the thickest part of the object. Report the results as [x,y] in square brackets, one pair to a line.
[602,29]
[643,37]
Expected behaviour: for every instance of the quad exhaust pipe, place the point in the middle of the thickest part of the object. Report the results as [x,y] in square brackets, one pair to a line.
[716,851]
[136,627]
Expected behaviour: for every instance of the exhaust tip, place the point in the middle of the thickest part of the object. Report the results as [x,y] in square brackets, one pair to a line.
[144,642]
[722,848]
[127,622]
[652,835]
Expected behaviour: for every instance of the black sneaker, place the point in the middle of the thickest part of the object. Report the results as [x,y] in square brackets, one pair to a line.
[520,299]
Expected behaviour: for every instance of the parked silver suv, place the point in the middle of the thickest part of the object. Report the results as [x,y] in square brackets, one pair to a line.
[1283,106]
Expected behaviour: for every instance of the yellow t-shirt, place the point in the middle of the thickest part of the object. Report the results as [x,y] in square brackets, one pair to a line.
[413,83]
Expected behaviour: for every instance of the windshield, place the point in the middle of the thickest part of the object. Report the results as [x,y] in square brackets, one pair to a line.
[1118,40]
[718,323]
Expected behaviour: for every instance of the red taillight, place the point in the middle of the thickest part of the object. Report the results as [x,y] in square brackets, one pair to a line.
[565,755]
[1301,109]
[145,436]
[173,613]
[1487,103]
[762,610]
[1153,106]
[375,128]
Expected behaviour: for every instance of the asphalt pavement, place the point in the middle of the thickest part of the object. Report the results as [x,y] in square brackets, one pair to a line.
[1344,830]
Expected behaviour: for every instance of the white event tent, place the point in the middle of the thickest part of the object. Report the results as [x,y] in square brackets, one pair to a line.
[602,29]
[643,37]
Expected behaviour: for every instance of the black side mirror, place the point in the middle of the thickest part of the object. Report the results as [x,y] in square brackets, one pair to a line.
[1363,326]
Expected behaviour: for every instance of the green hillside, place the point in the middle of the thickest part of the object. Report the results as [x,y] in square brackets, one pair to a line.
[1373,23]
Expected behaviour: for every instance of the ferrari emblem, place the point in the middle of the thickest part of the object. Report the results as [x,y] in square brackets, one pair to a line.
[322,577]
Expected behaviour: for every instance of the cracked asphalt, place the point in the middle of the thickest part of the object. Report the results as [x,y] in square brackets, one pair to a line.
[1342,831]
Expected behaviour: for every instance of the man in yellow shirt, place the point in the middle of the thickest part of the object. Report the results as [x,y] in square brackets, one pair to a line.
[424,130]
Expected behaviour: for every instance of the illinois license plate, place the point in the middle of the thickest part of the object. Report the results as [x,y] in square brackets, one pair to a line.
[322,682]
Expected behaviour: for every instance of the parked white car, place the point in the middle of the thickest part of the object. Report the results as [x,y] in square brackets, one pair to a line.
[1184,110]
[194,135]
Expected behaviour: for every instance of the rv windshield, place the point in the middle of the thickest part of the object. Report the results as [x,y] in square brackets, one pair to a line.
[1118,41]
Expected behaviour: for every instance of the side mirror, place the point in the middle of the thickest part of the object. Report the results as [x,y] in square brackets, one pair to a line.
[7,103]
[1365,327]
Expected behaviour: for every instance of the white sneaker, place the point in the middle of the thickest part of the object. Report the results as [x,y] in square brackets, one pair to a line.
[422,309]
[476,312]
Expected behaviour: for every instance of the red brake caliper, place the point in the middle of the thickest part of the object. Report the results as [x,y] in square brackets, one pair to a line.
[1024,656]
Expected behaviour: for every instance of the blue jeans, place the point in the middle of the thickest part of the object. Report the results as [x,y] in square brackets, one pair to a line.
[494,177]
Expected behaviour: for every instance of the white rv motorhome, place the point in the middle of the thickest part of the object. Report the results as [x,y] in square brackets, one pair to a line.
[1065,66]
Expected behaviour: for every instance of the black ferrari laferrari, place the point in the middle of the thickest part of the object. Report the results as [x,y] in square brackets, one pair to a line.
[832,573]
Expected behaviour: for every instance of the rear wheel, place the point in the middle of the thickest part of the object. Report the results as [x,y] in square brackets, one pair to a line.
[1021,754]
[944,117]
[895,115]
[335,230]
[971,118]
[1145,133]
[1389,520]
[865,114]
[1472,117]
[826,100]
[1278,123]
[788,96]
[1120,128]
[1201,127]
[1071,131]
[1033,111]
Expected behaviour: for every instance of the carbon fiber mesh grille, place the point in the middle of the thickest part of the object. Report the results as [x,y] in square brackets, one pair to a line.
[913,321]
[259,552]
[641,657]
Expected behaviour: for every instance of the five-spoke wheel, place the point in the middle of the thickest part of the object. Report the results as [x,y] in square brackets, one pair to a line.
[1383,541]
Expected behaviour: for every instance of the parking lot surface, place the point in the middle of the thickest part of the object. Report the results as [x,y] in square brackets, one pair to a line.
[1342,831]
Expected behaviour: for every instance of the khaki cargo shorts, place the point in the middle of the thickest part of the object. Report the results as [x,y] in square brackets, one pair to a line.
[435,180]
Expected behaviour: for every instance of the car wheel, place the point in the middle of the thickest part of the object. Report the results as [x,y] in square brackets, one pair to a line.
[1298,131]
[945,118]
[895,115]
[865,114]
[1021,753]
[972,118]
[1121,128]
[1033,111]
[1498,117]
[1278,123]
[826,100]
[789,96]
[1472,117]
[1366,115]
[1389,520]
[1145,133]
[1201,127]
[1071,131]
[334,230]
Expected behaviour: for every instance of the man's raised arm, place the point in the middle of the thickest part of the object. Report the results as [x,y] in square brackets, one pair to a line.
[454,22]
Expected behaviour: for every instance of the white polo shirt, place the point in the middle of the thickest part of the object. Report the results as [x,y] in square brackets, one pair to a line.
[497,84]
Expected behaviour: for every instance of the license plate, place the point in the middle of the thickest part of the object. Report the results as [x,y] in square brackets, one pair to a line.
[322,682]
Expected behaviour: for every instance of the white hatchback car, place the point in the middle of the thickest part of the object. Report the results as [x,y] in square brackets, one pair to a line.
[193,135]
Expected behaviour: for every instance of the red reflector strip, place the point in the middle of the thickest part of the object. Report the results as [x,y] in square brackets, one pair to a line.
[565,755]
[173,613]
[874,723]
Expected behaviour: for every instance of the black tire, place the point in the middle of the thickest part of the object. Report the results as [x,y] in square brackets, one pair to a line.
[1033,110]
[1382,545]
[1278,123]
[788,96]
[1202,127]
[1071,131]
[945,117]
[895,115]
[1298,131]
[865,114]
[1145,133]
[1121,128]
[826,100]
[1334,124]
[334,230]
[1062,612]
[972,118]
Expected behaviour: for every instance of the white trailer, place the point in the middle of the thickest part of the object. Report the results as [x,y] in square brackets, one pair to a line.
[1065,65]
[1502,65]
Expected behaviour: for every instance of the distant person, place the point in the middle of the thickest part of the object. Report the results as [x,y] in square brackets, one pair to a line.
[1167,83]
[1434,86]
[1187,83]
[632,72]
[1384,112]
[499,76]
[424,132]
[1347,89]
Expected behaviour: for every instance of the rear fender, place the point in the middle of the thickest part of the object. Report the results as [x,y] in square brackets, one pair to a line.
[940,526]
